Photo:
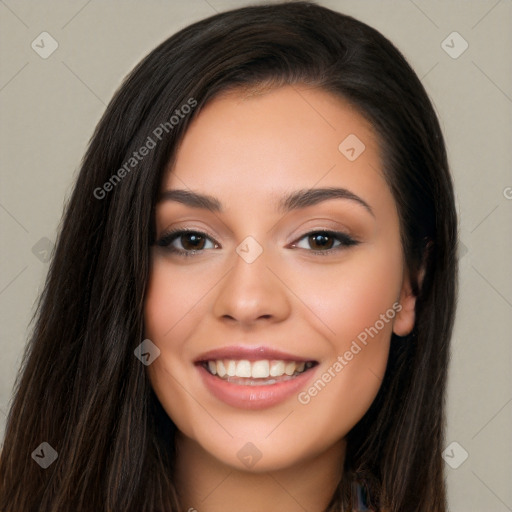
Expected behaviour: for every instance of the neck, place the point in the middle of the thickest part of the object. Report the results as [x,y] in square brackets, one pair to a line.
[206,484]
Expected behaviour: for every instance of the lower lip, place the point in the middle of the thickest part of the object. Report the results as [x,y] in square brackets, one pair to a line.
[253,397]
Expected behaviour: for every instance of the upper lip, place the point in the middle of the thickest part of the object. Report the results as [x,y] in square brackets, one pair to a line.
[250,354]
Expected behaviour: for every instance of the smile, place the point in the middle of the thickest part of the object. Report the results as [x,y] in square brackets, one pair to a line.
[263,372]
[253,377]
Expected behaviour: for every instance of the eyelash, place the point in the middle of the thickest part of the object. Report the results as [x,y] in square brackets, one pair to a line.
[169,237]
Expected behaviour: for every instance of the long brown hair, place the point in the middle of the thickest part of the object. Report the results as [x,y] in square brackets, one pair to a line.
[81,390]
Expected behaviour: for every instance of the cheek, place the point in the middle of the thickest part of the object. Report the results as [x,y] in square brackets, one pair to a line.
[355,305]
[170,304]
[175,303]
[172,299]
[351,297]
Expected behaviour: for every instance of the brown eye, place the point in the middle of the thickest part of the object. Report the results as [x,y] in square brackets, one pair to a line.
[192,241]
[325,242]
[319,241]
[186,242]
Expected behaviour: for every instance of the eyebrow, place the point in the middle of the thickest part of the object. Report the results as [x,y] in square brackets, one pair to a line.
[294,201]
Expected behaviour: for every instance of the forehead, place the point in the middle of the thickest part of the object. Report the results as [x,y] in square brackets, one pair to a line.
[259,146]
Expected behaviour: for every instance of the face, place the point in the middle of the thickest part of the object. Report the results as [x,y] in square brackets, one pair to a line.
[277,278]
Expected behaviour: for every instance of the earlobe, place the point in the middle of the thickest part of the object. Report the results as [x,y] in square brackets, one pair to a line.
[406,316]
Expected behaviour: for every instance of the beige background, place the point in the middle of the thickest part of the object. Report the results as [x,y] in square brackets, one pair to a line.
[51,106]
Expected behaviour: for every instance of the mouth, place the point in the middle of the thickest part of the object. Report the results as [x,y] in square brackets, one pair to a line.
[263,372]
[253,377]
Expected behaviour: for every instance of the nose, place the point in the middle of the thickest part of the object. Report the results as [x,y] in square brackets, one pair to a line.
[251,293]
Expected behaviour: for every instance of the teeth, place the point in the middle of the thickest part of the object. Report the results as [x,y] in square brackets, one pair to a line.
[221,370]
[231,368]
[243,368]
[290,368]
[262,369]
[212,367]
[276,368]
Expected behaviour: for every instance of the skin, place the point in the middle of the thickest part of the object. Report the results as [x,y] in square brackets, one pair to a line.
[249,151]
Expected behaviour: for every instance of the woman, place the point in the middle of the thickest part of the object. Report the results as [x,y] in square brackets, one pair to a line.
[253,291]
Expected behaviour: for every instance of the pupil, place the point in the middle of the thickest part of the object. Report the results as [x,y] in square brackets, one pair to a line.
[192,240]
[321,241]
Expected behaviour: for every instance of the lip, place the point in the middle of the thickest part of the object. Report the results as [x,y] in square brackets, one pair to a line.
[249,353]
[254,397]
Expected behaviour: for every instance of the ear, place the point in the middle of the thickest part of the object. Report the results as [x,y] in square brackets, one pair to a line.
[406,316]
